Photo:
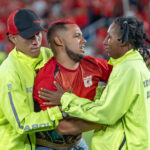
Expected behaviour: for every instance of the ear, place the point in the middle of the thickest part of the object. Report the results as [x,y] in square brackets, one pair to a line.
[13,38]
[58,41]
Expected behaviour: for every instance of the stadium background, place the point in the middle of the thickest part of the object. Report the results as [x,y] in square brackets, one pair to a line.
[93,17]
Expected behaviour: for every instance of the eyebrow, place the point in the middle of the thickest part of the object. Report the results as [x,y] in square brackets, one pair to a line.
[79,33]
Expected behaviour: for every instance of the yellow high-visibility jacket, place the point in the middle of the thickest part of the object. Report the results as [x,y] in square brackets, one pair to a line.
[124,106]
[18,121]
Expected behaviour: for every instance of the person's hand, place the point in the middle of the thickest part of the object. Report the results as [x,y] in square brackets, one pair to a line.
[53,97]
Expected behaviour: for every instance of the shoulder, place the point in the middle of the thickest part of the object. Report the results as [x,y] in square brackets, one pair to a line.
[129,65]
[8,74]
[47,69]
[10,66]
[47,66]
[128,69]
[95,60]
[46,52]
[100,63]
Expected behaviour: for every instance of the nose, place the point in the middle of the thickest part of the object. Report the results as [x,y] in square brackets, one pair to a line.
[105,41]
[84,40]
[35,40]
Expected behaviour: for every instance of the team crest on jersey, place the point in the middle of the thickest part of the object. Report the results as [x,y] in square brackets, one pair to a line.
[88,81]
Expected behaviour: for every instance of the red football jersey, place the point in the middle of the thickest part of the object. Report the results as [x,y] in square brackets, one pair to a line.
[82,81]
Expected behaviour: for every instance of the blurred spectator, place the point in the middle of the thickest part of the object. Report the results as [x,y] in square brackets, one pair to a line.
[104,8]
[40,6]
[98,44]
[80,12]
[83,12]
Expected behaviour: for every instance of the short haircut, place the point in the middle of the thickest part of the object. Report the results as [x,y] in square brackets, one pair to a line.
[57,26]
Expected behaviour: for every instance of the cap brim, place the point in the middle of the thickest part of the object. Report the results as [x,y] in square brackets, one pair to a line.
[31,31]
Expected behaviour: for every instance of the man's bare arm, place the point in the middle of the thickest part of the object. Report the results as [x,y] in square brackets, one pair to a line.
[75,126]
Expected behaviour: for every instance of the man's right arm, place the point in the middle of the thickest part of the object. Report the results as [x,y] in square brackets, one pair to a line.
[19,110]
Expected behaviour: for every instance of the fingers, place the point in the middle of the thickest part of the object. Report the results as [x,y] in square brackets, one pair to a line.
[48,103]
[46,91]
[52,96]
[44,95]
[48,98]
[58,86]
[51,103]
[47,95]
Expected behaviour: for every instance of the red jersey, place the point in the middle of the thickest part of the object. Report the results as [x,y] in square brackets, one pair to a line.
[82,81]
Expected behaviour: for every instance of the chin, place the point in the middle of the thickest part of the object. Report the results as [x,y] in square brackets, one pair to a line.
[35,55]
[79,58]
[82,54]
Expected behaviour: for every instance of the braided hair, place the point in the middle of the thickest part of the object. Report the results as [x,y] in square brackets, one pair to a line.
[132,31]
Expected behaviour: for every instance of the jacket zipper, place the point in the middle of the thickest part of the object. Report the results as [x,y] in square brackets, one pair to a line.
[123,142]
[29,140]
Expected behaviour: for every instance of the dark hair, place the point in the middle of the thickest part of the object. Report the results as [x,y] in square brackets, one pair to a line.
[56,26]
[7,34]
[132,31]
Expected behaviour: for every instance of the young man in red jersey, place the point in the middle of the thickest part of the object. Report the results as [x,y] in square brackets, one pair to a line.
[75,72]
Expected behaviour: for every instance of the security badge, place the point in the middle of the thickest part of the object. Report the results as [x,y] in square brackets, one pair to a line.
[88,81]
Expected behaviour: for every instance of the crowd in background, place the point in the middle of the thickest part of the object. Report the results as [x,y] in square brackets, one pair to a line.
[83,12]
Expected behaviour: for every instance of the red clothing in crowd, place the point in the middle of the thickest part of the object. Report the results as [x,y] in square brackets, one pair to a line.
[81,81]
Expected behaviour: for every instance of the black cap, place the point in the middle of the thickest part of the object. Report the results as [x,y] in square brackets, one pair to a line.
[24,22]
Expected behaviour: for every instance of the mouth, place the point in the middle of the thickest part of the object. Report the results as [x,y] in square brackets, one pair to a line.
[106,49]
[82,48]
[35,49]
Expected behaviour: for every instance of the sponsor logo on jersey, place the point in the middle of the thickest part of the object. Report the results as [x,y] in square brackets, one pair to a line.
[88,81]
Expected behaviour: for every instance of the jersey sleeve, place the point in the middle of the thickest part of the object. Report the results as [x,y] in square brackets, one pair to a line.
[115,101]
[18,108]
[36,85]
[104,69]
[44,79]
